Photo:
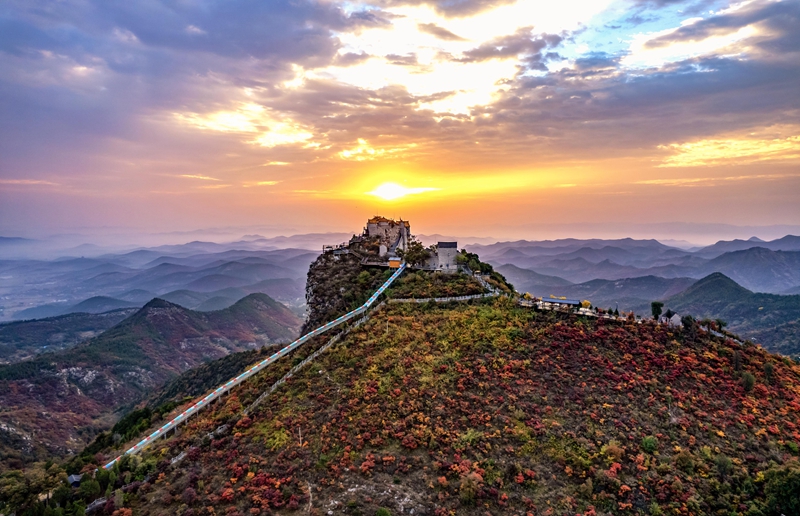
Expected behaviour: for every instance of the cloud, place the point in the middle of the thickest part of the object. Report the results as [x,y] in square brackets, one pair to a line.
[365,152]
[729,151]
[438,86]
[726,22]
[452,8]
[712,181]
[439,32]
[204,178]
[27,182]
[351,58]
[273,129]
[191,29]
[260,183]
[521,43]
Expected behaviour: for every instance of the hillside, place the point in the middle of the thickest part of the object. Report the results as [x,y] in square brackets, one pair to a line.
[526,280]
[759,269]
[56,403]
[492,408]
[21,340]
[768,319]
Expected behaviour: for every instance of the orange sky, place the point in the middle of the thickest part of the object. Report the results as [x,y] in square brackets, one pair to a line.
[486,118]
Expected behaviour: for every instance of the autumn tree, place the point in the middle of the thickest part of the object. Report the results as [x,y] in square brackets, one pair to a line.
[415,253]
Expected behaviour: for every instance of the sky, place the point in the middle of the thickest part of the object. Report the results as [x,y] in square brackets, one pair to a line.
[506,118]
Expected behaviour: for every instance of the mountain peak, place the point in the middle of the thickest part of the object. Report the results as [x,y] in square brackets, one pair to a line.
[717,280]
[157,302]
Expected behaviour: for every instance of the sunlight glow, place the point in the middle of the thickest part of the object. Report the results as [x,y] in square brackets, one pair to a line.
[427,65]
[275,129]
[731,151]
[363,151]
[392,191]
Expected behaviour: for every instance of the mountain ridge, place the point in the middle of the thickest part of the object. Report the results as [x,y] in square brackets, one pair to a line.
[81,387]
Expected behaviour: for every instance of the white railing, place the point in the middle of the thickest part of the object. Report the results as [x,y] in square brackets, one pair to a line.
[233,382]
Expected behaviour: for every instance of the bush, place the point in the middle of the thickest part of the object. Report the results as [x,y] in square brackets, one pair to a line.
[723,464]
[468,489]
[782,489]
[383,511]
[769,371]
[189,496]
[684,461]
[748,381]
[649,444]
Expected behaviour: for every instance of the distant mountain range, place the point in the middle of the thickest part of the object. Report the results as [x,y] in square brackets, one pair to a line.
[21,340]
[55,403]
[772,267]
[32,289]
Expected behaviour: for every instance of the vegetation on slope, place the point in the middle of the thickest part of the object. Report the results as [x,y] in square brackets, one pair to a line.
[56,403]
[490,407]
[423,284]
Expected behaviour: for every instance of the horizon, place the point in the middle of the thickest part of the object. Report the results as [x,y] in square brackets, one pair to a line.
[58,246]
[503,119]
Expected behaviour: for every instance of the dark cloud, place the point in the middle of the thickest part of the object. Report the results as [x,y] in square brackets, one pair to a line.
[439,32]
[406,60]
[452,8]
[686,6]
[351,58]
[783,16]
[519,43]
[149,62]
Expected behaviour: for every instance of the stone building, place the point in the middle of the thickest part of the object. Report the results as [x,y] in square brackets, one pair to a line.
[392,234]
[446,253]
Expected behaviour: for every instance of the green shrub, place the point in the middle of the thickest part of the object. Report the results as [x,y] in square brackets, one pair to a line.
[782,489]
[723,464]
[769,371]
[383,511]
[649,444]
[748,381]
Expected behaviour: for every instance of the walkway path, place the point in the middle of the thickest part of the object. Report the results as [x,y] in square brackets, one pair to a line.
[233,382]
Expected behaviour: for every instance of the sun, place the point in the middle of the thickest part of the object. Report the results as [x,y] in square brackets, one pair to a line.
[392,191]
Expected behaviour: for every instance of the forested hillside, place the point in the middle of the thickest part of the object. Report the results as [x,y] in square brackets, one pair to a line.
[491,408]
[768,319]
[56,403]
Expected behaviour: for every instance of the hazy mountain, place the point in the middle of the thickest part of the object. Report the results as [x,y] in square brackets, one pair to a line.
[93,305]
[38,288]
[526,280]
[137,295]
[9,241]
[787,243]
[759,269]
[59,399]
[628,293]
[21,340]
